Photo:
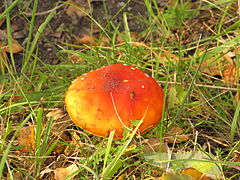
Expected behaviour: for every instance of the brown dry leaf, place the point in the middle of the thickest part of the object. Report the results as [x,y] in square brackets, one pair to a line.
[57,113]
[45,171]
[3,59]
[195,174]
[237,98]
[236,158]
[133,38]
[229,74]
[164,56]
[173,176]
[175,135]
[61,120]
[62,173]
[210,67]
[85,39]
[122,177]
[26,136]
[82,4]
[75,59]
[153,145]
[224,67]
[4,47]
[17,98]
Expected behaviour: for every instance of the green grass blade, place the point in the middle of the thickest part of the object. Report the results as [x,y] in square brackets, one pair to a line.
[9,8]
[6,151]
[108,148]
[37,36]
[235,122]
[38,130]
[110,169]
[31,27]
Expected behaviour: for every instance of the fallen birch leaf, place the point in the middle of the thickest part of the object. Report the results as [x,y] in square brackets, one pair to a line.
[26,136]
[195,174]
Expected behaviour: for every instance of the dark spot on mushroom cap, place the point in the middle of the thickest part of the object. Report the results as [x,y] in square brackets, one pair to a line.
[132,95]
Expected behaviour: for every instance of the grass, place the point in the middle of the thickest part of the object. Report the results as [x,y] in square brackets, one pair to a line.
[200,103]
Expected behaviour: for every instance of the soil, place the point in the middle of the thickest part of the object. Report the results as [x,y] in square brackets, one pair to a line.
[67,26]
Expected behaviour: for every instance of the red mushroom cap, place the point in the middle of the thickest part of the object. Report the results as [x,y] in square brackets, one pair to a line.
[111,97]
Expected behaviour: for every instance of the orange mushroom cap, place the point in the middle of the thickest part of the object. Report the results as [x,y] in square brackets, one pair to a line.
[111,97]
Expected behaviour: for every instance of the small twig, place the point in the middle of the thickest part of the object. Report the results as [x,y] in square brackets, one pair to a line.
[215,140]
[201,85]
[44,12]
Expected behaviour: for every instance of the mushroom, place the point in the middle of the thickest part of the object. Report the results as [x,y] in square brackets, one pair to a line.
[109,98]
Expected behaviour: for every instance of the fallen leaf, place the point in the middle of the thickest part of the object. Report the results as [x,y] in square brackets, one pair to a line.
[3,59]
[153,145]
[195,174]
[61,122]
[26,137]
[57,113]
[172,176]
[122,177]
[167,56]
[81,9]
[229,74]
[85,39]
[62,173]
[75,59]
[236,158]
[223,66]
[45,171]
[17,98]
[5,47]
[237,98]
[175,135]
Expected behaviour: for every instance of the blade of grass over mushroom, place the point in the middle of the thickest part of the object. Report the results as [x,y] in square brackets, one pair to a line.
[235,123]
[36,37]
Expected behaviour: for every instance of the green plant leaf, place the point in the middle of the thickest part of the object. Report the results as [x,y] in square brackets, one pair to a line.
[201,161]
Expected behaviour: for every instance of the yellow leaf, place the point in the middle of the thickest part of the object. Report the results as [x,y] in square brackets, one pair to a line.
[26,136]
[195,174]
